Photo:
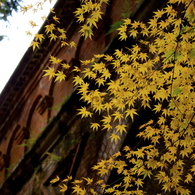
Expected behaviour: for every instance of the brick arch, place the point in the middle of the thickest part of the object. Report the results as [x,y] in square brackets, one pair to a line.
[36,119]
[2,160]
[32,110]
[51,89]
[14,151]
[59,91]
[29,119]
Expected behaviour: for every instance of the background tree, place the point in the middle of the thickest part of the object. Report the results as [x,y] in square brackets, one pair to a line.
[6,9]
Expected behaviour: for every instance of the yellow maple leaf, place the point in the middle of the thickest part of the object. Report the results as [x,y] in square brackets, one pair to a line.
[64,43]
[56,179]
[84,112]
[34,45]
[67,179]
[98,55]
[143,56]
[114,137]
[24,9]
[121,128]
[152,48]
[79,12]
[100,81]
[93,191]
[53,37]
[28,33]
[86,31]
[39,37]
[63,188]
[101,181]
[126,148]
[107,127]
[131,113]
[117,154]
[159,13]
[95,126]
[54,60]
[80,18]
[139,182]
[97,14]
[72,44]
[77,189]
[49,72]
[157,108]
[49,28]
[77,181]
[108,58]
[61,30]
[133,33]
[32,23]
[62,36]
[76,69]
[91,21]
[60,76]
[188,178]
[52,10]
[107,119]
[108,106]
[78,80]
[65,66]
[88,180]
[43,18]
[56,19]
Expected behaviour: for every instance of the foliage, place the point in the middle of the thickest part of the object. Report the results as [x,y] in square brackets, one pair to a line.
[53,157]
[125,13]
[6,9]
[157,73]
[30,141]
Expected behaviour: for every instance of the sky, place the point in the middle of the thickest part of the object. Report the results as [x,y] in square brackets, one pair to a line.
[16,42]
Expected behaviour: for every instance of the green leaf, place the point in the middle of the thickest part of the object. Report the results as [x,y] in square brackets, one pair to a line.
[176,91]
[115,26]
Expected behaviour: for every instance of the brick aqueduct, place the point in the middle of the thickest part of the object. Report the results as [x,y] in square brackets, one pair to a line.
[38,116]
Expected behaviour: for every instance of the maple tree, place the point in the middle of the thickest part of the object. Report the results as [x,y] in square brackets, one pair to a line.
[156,73]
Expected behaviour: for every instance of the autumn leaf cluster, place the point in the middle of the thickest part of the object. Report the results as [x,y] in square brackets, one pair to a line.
[156,73]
